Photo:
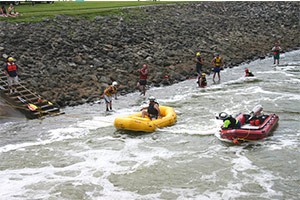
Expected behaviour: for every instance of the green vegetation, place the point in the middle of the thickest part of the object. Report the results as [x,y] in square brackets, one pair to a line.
[38,12]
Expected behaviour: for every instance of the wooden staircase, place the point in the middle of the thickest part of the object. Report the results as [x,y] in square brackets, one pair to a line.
[26,101]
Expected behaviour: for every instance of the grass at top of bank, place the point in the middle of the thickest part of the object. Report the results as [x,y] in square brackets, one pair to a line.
[39,12]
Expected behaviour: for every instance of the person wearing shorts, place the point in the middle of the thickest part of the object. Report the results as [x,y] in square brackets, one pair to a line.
[107,95]
[217,62]
[143,79]
[276,51]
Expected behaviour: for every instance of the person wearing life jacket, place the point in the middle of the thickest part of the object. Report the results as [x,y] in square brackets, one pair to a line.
[199,64]
[248,73]
[143,79]
[11,71]
[217,62]
[152,111]
[108,93]
[229,122]
[276,52]
[202,80]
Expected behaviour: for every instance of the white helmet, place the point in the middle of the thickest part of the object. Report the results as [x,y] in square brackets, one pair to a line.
[152,98]
[114,83]
[223,116]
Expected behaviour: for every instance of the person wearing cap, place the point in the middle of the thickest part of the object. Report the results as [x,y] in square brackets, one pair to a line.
[202,80]
[11,71]
[217,62]
[152,111]
[248,73]
[143,79]
[108,93]
[229,122]
[199,64]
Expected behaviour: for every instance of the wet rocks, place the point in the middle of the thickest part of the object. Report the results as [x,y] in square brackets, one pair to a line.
[72,60]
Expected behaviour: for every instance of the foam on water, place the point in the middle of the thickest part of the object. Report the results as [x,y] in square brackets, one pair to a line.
[87,160]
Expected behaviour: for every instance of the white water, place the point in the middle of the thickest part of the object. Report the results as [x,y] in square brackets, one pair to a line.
[80,155]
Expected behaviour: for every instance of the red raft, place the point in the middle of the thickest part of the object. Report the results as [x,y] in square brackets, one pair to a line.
[250,131]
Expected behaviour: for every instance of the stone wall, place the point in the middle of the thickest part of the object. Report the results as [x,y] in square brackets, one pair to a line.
[70,60]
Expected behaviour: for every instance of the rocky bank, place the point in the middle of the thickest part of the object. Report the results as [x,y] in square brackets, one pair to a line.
[71,60]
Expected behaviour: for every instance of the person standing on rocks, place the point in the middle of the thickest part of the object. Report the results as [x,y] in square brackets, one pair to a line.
[217,62]
[11,71]
[143,79]
[276,51]
[107,95]
[199,64]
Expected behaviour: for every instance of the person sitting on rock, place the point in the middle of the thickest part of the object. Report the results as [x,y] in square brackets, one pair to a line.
[202,81]
[152,111]
[248,73]
[107,95]
[229,122]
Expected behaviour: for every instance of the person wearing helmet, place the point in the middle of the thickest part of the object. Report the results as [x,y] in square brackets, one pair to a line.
[248,73]
[143,79]
[152,111]
[108,93]
[217,62]
[229,122]
[199,64]
[11,71]
[202,80]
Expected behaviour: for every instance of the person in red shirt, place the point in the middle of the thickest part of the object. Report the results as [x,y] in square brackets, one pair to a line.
[143,79]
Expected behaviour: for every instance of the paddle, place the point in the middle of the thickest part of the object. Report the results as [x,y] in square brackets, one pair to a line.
[30,106]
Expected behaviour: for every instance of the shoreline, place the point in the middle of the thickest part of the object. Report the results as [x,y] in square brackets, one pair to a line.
[70,61]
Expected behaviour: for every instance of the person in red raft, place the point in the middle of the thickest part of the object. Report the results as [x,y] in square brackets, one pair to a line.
[229,122]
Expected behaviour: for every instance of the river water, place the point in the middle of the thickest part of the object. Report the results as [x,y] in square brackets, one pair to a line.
[80,155]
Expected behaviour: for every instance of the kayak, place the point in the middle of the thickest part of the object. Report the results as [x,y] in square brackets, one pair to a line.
[136,122]
[250,131]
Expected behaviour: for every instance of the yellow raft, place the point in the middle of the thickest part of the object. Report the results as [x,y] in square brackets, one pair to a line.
[135,122]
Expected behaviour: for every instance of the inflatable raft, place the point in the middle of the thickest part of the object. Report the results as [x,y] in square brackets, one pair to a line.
[136,122]
[260,129]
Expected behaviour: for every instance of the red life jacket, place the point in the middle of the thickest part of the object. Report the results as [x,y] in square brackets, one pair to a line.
[11,67]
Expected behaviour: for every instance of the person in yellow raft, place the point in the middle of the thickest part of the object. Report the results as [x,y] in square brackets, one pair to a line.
[108,94]
[152,111]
